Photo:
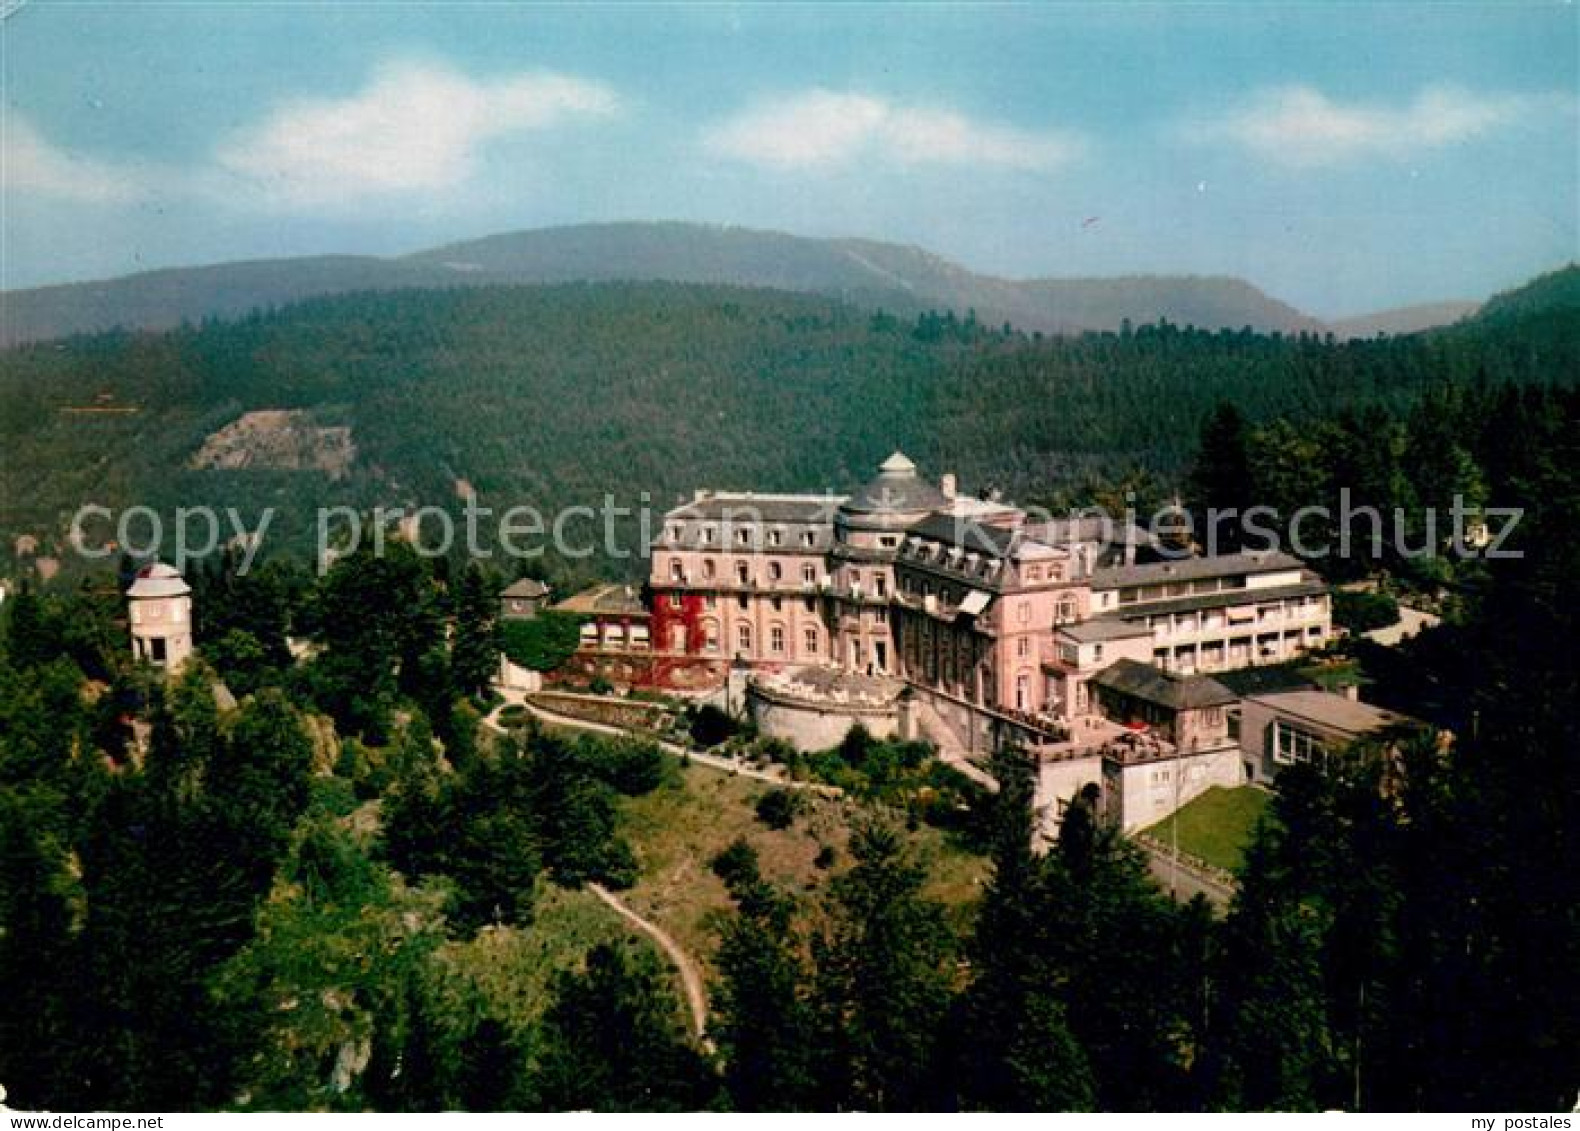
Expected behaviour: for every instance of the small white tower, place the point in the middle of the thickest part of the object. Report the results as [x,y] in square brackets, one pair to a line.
[161,613]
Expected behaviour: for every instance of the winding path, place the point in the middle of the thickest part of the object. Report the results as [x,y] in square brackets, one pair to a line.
[690,976]
[713,761]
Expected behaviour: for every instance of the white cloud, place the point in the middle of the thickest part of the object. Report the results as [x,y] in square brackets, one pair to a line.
[415,127]
[30,164]
[822,128]
[1301,127]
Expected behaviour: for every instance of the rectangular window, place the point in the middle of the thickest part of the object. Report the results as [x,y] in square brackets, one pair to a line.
[811,642]
[1291,745]
[809,574]
[776,639]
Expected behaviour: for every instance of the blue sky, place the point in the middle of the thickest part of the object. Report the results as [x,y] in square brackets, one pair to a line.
[1344,157]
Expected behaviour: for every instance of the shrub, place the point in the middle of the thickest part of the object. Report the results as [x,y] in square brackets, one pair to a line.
[543,643]
[855,747]
[736,863]
[600,685]
[632,766]
[711,726]
[778,808]
[512,715]
[1363,612]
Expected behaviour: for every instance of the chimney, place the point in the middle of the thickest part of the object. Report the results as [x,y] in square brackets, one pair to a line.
[946,484]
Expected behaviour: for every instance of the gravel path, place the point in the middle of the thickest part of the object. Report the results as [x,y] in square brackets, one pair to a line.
[690,976]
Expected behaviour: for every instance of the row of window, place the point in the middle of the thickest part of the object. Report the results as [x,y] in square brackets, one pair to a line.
[810,639]
[1133,594]
[710,602]
[743,571]
[952,558]
[744,535]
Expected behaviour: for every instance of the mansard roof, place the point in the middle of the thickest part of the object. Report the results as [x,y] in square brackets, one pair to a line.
[978,537]
[746,507]
[1194,568]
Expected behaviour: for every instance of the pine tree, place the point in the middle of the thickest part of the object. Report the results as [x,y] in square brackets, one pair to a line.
[762,1019]
[1220,480]
[882,986]
[474,654]
[613,1040]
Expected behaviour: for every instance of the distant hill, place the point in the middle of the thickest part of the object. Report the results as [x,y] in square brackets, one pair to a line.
[1554,291]
[1403,319]
[865,273]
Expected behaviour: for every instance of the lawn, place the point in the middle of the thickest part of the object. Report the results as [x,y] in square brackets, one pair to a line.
[1216,826]
[677,830]
[515,966]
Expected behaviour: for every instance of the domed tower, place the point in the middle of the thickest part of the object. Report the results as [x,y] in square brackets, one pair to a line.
[160,605]
[868,530]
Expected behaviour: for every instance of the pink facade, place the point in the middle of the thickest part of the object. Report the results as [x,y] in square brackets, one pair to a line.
[964,598]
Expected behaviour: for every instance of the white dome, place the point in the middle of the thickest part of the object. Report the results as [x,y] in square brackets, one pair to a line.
[158,580]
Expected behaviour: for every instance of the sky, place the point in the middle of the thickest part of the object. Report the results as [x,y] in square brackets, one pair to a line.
[1344,157]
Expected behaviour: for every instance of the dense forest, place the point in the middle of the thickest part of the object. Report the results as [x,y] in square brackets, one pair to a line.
[316,879]
[562,395]
[297,899]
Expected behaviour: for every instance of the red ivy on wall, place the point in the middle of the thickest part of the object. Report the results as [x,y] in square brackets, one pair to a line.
[666,617]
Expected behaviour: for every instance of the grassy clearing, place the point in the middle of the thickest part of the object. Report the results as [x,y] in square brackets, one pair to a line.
[1216,826]
[515,966]
[677,830]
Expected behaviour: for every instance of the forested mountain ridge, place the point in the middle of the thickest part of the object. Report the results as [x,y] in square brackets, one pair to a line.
[557,395]
[866,273]
[1554,291]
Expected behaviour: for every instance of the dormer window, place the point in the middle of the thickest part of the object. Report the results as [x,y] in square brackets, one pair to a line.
[776,537]
[707,535]
[743,536]
[808,538]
